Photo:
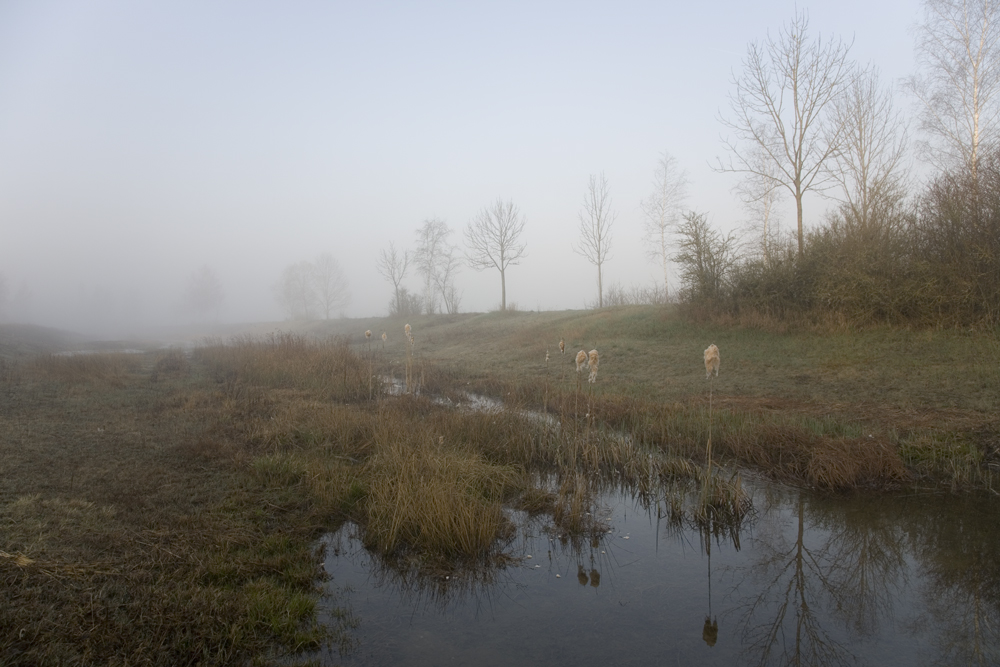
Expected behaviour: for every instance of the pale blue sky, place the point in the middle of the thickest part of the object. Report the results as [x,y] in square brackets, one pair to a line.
[139,141]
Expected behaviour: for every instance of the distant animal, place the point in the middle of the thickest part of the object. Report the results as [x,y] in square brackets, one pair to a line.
[711,361]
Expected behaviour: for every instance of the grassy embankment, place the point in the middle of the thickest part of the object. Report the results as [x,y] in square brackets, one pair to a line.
[836,410]
[163,510]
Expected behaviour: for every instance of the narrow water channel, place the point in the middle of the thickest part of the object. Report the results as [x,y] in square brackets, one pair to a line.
[910,579]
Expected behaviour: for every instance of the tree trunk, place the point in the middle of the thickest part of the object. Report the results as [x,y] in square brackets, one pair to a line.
[798,213]
[600,288]
[503,292]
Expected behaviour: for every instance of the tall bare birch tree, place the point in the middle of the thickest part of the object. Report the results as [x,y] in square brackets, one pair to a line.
[435,260]
[781,106]
[662,210]
[760,192]
[958,48]
[596,219]
[870,165]
[494,241]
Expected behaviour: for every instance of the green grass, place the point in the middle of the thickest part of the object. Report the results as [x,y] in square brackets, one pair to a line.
[161,509]
[908,389]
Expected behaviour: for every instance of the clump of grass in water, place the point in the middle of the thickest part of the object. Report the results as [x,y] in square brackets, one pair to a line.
[436,499]
[575,505]
[723,504]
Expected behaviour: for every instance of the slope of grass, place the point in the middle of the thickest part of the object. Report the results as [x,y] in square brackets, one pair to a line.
[931,395]
[163,509]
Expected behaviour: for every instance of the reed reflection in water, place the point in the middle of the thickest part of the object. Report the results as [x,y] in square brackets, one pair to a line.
[908,580]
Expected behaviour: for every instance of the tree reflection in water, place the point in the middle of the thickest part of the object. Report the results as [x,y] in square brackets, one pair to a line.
[960,560]
[792,579]
[816,580]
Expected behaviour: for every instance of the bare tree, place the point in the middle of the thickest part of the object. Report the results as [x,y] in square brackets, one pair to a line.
[203,294]
[781,106]
[596,220]
[392,266]
[332,288]
[958,47]
[869,166]
[444,279]
[760,193]
[436,261]
[705,258]
[296,290]
[662,209]
[493,238]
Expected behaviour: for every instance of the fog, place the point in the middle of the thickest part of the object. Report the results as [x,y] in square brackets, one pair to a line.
[141,142]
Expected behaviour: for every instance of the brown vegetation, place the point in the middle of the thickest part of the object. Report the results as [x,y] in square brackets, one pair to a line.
[163,508]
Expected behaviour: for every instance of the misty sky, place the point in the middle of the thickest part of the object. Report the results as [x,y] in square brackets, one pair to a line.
[141,141]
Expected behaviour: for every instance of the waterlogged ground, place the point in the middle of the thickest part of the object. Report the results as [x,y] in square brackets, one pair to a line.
[901,580]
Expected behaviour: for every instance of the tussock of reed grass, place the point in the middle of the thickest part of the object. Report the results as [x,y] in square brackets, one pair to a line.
[722,501]
[575,510]
[842,463]
[429,498]
[285,360]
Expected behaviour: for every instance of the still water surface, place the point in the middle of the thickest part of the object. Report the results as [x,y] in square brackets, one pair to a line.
[892,580]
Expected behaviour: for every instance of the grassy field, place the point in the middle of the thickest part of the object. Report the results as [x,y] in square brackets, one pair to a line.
[163,508]
[932,396]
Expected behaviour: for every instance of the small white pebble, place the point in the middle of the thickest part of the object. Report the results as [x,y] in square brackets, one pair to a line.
[626,537]
[537,566]
[558,576]
[603,551]
[528,556]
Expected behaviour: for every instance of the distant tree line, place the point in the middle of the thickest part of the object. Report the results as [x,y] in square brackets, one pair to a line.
[313,290]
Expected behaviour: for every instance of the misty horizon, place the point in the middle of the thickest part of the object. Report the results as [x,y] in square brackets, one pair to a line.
[141,144]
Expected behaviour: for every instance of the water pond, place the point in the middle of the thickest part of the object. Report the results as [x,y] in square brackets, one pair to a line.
[909,579]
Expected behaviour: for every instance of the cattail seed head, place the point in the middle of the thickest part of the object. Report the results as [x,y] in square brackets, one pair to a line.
[562,346]
[592,361]
[711,361]
[368,334]
[407,328]
[581,359]
[383,337]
